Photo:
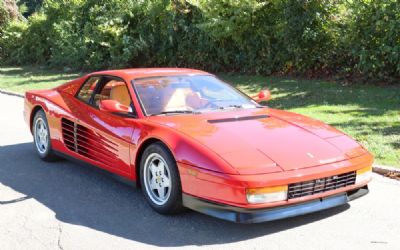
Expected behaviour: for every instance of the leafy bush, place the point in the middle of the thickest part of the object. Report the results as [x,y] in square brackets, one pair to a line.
[243,33]
[308,33]
[316,37]
[374,36]
[11,40]
[31,6]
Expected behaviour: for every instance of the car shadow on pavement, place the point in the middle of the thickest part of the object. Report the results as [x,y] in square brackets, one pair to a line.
[78,195]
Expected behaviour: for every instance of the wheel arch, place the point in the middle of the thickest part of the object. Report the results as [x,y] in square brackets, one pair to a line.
[147,142]
[32,116]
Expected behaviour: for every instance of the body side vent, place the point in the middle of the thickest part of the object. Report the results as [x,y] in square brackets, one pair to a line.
[88,143]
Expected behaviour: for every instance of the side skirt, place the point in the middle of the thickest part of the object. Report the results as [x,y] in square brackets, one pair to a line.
[117,177]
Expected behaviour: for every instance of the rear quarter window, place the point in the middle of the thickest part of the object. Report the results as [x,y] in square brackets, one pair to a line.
[87,89]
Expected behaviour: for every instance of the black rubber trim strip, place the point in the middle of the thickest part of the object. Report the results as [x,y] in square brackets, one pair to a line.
[357,193]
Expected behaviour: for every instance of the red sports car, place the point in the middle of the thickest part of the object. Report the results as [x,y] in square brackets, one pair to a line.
[190,140]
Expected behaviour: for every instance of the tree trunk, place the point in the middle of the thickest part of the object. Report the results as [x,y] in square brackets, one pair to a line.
[12,8]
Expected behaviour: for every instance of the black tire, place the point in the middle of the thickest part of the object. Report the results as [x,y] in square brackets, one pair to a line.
[46,152]
[173,203]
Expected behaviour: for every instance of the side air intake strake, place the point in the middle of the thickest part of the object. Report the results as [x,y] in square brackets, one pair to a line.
[235,119]
[87,143]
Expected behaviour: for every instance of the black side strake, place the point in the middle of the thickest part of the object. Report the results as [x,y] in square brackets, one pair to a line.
[235,119]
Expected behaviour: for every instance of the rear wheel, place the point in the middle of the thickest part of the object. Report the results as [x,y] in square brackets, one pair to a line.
[160,180]
[41,137]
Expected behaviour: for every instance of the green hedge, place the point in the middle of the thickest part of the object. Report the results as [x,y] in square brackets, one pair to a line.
[309,37]
[375,38]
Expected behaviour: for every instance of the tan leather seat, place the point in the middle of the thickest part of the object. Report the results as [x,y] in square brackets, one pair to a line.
[177,100]
[183,99]
[120,94]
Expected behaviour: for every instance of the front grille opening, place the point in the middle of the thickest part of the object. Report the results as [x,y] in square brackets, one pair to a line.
[305,188]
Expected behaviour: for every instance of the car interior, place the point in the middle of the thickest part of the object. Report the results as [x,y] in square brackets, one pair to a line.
[171,99]
[114,90]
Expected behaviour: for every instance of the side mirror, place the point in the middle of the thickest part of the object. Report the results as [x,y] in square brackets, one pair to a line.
[262,96]
[112,106]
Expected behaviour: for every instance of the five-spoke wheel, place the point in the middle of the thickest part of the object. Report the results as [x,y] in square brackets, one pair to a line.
[160,180]
[157,178]
[41,137]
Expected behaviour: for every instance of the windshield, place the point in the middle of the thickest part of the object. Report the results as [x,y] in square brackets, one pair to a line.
[188,94]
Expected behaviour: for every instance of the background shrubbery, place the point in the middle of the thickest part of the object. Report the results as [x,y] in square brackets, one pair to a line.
[309,37]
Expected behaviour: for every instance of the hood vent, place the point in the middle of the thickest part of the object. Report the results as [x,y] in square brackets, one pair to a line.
[236,119]
[87,143]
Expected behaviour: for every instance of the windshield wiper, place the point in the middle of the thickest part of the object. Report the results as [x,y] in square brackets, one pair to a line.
[231,106]
[176,112]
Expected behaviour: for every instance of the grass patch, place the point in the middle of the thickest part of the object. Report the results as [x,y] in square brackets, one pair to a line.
[27,78]
[370,114]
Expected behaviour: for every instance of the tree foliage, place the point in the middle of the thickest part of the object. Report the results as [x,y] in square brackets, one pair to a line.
[32,6]
[374,36]
[356,38]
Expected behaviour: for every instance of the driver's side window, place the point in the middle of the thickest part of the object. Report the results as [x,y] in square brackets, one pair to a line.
[113,89]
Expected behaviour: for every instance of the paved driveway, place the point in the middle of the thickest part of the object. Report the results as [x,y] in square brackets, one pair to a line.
[68,206]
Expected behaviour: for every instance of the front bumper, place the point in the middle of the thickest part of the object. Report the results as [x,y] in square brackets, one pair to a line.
[243,215]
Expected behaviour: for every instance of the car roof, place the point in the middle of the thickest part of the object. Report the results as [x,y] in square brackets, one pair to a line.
[130,74]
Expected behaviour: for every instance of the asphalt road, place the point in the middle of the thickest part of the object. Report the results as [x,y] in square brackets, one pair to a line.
[69,206]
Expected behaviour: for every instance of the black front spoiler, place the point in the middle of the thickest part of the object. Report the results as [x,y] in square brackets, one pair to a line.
[243,215]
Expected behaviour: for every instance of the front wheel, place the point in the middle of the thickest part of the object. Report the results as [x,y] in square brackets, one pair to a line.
[160,179]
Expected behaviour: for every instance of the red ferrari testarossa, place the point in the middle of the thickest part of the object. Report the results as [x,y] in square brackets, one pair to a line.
[190,140]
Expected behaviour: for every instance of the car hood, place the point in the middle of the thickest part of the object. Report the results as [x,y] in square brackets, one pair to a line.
[264,140]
